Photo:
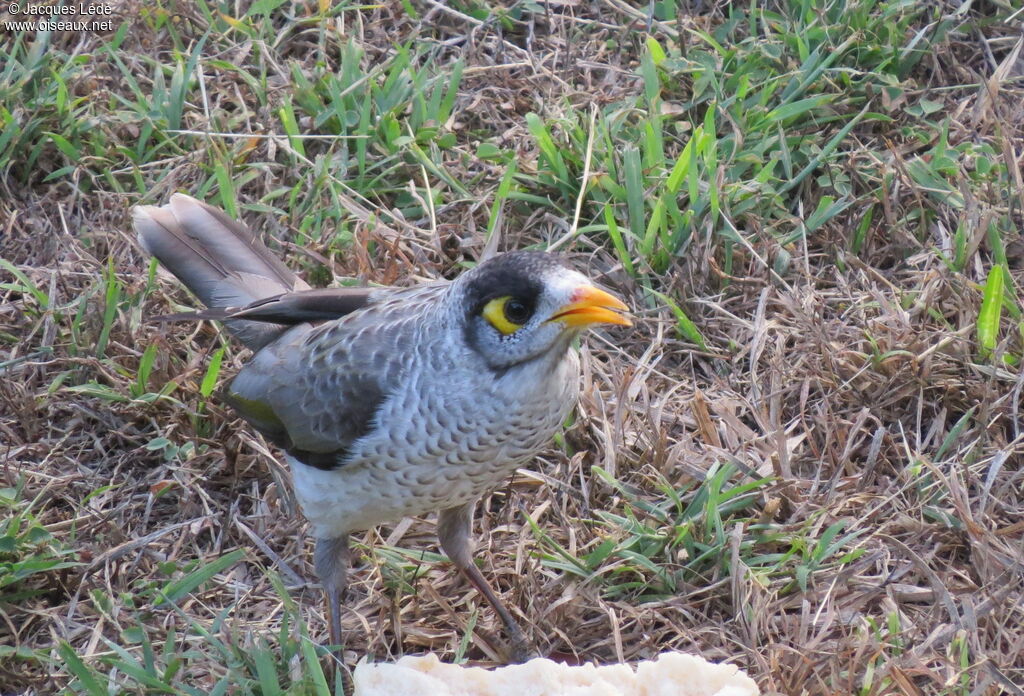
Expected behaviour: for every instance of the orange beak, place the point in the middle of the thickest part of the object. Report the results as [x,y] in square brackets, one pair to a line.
[589,305]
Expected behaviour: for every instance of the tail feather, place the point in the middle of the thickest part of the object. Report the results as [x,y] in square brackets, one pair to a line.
[217,258]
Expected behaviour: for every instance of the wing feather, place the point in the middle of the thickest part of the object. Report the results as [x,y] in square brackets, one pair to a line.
[318,389]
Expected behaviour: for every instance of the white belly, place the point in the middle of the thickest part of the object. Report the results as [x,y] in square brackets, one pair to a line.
[416,464]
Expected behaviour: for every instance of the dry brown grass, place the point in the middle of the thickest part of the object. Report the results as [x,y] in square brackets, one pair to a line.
[858,390]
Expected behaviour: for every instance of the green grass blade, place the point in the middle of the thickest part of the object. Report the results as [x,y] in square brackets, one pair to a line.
[954,433]
[212,372]
[291,126]
[42,299]
[85,675]
[687,329]
[617,241]
[826,151]
[266,672]
[112,297]
[680,169]
[177,589]
[990,313]
[633,181]
[145,369]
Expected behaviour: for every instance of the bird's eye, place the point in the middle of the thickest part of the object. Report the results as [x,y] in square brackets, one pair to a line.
[507,314]
[516,311]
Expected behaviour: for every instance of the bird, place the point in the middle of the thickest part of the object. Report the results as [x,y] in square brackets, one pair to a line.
[389,402]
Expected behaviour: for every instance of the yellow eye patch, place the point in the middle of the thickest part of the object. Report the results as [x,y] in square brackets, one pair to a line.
[507,314]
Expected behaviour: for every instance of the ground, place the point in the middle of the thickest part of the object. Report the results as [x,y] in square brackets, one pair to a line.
[804,458]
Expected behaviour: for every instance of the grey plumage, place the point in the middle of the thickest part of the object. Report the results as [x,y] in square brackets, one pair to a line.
[216,258]
[389,402]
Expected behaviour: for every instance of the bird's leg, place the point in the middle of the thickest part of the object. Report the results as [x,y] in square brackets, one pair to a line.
[331,559]
[454,527]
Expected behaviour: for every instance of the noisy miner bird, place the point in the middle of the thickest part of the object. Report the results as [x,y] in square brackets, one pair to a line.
[389,402]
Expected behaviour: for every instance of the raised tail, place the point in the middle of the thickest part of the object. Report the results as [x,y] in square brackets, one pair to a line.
[217,258]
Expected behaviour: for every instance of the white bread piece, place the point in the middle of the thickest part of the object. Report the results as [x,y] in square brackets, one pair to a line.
[669,674]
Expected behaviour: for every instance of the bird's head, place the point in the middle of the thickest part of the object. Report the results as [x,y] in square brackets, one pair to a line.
[523,305]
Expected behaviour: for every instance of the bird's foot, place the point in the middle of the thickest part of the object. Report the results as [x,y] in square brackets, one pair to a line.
[519,649]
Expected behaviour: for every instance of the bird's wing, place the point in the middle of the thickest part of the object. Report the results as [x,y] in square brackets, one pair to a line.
[317,390]
[288,309]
